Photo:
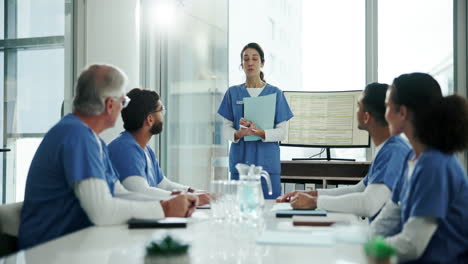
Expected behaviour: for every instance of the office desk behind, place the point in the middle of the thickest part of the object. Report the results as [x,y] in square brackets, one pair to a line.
[323,172]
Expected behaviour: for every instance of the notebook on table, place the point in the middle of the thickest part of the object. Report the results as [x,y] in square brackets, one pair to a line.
[292,212]
[168,222]
[299,220]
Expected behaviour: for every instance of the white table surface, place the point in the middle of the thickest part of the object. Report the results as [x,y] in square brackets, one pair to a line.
[211,242]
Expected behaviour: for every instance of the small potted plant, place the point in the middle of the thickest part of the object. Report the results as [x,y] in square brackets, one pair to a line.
[379,252]
[167,251]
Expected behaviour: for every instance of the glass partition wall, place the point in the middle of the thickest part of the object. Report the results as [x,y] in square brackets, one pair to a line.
[184,58]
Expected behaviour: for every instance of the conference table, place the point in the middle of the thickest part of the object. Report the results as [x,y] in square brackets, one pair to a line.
[211,240]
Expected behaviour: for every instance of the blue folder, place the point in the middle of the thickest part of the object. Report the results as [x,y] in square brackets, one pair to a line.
[290,213]
[260,110]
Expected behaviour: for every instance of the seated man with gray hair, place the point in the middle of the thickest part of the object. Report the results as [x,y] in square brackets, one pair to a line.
[71,183]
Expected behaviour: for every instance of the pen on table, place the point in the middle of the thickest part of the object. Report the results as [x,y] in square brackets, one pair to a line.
[192,205]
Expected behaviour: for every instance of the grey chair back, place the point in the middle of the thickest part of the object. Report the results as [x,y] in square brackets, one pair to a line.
[9,226]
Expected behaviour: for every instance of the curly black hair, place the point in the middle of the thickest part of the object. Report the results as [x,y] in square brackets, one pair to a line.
[440,122]
[142,103]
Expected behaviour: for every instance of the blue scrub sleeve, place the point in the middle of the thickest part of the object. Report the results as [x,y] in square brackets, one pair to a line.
[82,158]
[429,193]
[225,109]
[129,161]
[365,180]
[283,112]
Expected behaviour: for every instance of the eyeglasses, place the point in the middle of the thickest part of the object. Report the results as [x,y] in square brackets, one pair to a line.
[162,110]
[125,100]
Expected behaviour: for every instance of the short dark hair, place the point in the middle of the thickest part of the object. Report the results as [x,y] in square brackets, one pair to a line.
[373,101]
[439,122]
[259,49]
[142,103]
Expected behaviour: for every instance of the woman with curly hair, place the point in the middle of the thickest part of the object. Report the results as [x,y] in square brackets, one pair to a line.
[426,218]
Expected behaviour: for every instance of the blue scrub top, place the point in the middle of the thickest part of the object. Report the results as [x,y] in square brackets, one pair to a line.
[437,188]
[387,166]
[69,153]
[129,159]
[265,154]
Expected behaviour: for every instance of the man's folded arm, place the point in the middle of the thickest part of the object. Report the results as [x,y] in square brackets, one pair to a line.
[103,209]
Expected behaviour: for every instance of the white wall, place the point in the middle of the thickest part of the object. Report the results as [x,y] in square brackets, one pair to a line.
[111,36]
[276,25]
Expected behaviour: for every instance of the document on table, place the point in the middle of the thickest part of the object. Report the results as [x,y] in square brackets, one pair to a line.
[281,206]
[271,237]
[285,210]
[260,110]
[291,213]
[318,220]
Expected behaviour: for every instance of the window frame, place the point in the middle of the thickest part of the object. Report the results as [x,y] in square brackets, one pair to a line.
[10,46]
[460,56]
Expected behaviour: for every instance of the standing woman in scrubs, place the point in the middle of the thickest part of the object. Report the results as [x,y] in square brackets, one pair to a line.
[426,219]
[264,152]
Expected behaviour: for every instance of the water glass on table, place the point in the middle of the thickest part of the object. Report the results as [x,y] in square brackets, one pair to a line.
[224,203]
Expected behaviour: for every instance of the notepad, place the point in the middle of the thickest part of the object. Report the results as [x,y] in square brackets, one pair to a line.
[299,220]
[281,206]
[168,222]
[260,110]
[296,238]
[290,213]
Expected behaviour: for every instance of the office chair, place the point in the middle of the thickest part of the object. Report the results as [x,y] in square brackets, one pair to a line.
[9,226]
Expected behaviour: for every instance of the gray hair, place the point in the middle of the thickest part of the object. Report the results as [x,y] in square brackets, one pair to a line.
[94,85]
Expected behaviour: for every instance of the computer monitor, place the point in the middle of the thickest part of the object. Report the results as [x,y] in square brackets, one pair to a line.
[324,119]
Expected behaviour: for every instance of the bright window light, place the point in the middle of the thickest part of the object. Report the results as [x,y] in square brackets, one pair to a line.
[164,12]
